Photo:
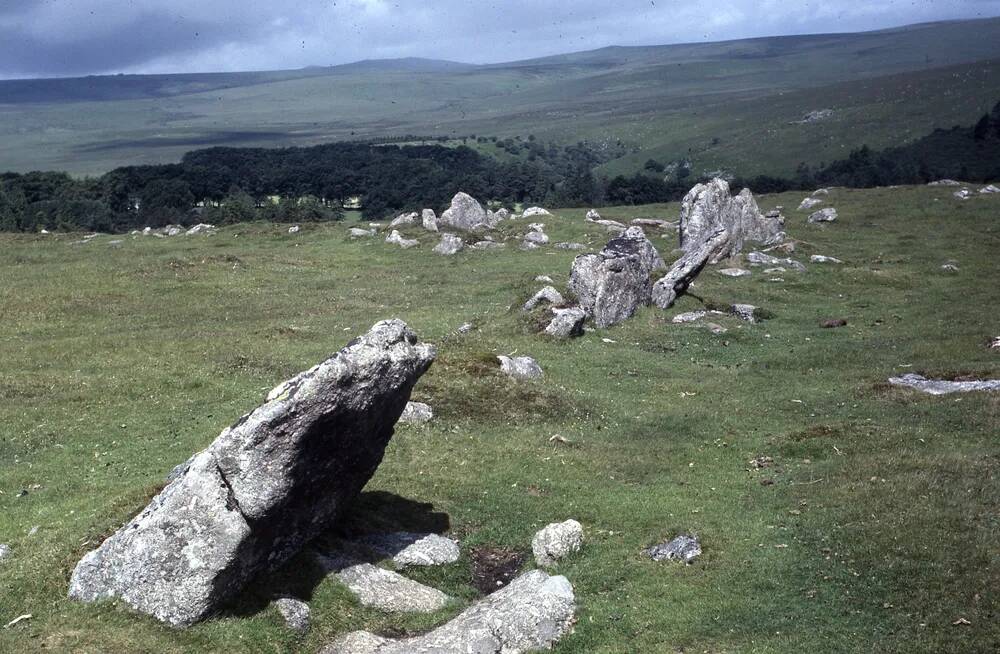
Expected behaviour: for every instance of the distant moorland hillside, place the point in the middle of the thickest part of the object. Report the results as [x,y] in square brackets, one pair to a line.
[757,106]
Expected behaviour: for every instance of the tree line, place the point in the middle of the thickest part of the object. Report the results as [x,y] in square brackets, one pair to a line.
[229,185]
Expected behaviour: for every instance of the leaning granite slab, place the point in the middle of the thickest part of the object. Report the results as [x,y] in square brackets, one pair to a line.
[264,488]
[685,269]
[532,613]
[548,294]
[709,207]
[416,549]
[943,387]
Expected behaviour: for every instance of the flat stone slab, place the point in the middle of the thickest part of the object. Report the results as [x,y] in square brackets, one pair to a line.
[942,387]
[390,591]
[735,272]
[416,413]
[520,367]
[532,613]
[408,548]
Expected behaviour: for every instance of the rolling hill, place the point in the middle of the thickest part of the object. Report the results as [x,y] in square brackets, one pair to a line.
[733,105]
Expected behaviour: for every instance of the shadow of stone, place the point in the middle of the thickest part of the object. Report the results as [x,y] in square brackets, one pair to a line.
[372,512]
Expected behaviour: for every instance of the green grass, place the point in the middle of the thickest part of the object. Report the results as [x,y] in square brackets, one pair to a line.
[671,101]
[878,533]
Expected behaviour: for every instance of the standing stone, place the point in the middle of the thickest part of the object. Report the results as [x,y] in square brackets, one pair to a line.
[429,220]
[405,220]
[520,367]
[449,245]
[465,213]
[685,269]
[265,487]
[827,215]
[556,542]
[568,323]
[710,207]
[532,613]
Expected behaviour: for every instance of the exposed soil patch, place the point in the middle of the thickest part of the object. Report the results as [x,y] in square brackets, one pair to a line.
[494,567]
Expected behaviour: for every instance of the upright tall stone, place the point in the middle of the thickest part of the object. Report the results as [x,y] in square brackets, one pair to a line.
[265,487]
[466,213]
[710,207]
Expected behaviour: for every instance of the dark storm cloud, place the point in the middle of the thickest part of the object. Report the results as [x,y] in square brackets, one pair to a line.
[59,37]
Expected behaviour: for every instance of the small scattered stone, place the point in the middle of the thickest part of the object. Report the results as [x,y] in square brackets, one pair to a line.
[989,190]
[570,246]
[488,245]
[593,216]
[833,323]
[357,232]
[690,316]
[683,548]
[406,243]
[735,272]
[544,279]
[819,258]
[531,212]
[744,312]
[809,203]
[716,328]
[547,294]
[520,367]
[556,542]
[945,182]
[404,220]
[465,328]
[4,551]
[761,461]
[201,228]
[963,194]
[995,343]
[294,229]
[950,267]
[827,215]
[295,612]
[536,237]
[568,323]
[416,413]
[391,591]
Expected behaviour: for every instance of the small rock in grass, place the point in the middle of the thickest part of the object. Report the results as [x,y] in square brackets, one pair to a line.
[357,232]
[465,328]
[407,548]
[809,203]
[544,279]
[716,328]
[405,219]
[295,612]
[520,367]
[406,243]
[690,316]
[819,258]
[557,541]
[416,413]
[827,215]
[744,312]
[989,190]
[949,267]
[391,591]
[683,548]
[944,387]
[294,229]
[567,323]
[449,245]
[536,238]
[4,551]
[995,343]
[833,323]
[570,246]
[735,272]
[547,294]
[963,194]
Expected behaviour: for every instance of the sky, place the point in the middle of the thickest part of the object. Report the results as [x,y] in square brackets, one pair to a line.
[54,38]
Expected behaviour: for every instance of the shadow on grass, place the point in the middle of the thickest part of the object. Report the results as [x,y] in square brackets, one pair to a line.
[374,511]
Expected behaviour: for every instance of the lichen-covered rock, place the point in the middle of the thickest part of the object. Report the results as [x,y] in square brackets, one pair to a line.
[532,613]
[429,220]
[397,239]
[449,245]
[407,548]
[735,272]
[536,237]
[810,203]
[685,269]
[295,612]
[465,213]
[610,289]
[416,413]
[709,207]
[827,215]
[683,548]
[390,591]
[557,541]
[520,367]
[943,387]
[690,316]
[264,488]
[547,294]
[567,323]
[357,232]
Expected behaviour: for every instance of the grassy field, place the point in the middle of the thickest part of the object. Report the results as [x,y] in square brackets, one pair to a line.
[724,105]
[875,530]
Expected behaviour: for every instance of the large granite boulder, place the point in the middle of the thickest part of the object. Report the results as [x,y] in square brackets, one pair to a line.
[466,213]
[710,207]
[532,613]
[633,242]
[685,269]
[449,245]
[568,323]
[265,487]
